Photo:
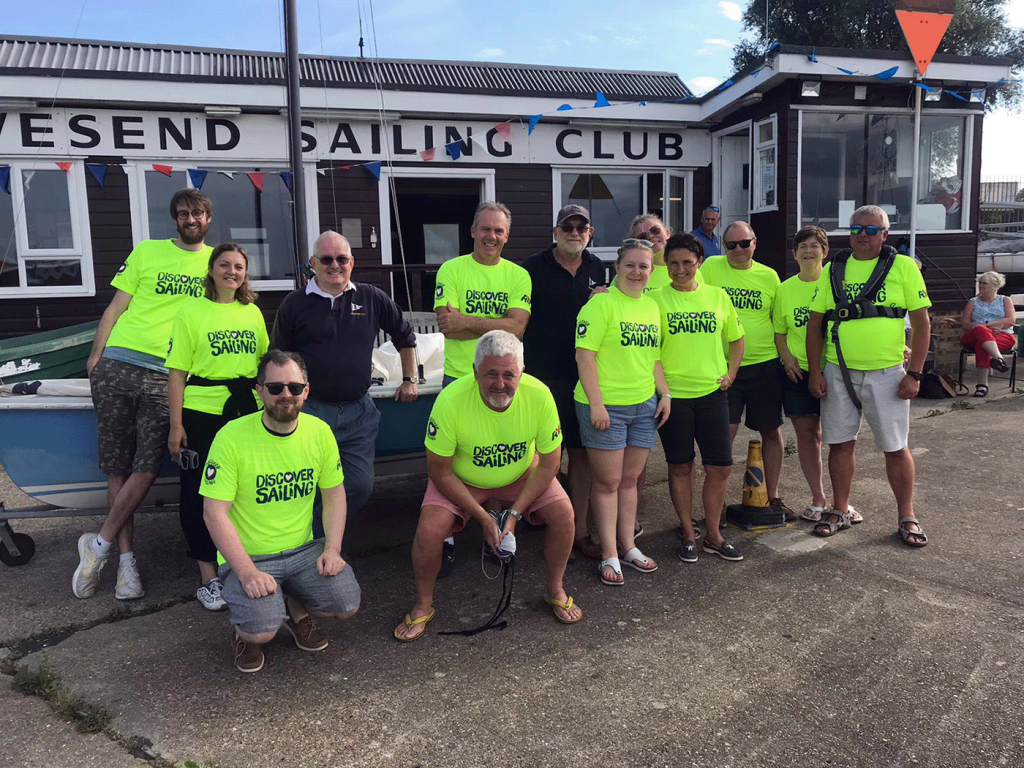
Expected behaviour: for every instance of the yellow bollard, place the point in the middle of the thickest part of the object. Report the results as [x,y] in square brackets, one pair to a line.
[755,493]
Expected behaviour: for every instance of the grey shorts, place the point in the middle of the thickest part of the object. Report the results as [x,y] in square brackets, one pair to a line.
[132,419]
[888,415]
[296,575]
[628,425]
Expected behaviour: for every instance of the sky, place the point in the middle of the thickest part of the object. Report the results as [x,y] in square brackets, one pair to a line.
[692,39]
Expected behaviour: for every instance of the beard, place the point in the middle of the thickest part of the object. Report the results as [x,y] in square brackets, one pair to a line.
[499,400]
[195,237]
[284,413]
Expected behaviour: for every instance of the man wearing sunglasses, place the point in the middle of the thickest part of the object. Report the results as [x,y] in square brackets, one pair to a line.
[564,277]
[709,219]
[757,390]
[333,324]
[129,382]
[871,341]
[259,482]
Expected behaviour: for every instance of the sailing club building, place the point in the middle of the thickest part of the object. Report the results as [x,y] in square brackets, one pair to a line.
[96,136]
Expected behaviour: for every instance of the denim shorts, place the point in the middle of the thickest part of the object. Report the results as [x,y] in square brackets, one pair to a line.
[629,425]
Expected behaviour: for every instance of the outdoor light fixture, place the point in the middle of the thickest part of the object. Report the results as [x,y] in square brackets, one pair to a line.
[222,111]
[810,88]
[935,94]
[373,237]
[860,92]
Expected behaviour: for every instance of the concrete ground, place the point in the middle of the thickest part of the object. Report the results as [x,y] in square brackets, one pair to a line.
[851,651]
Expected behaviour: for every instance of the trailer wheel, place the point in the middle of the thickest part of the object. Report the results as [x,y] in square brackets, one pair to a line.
[26,548]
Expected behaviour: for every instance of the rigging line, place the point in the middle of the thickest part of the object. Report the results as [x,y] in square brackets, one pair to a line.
[334,196]
[21,204]
[378,86]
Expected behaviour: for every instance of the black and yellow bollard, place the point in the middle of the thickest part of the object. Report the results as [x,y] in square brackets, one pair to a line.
[754,511]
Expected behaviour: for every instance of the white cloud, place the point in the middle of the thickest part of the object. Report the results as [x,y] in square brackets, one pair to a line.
[713,45]
[701,85]
[632,42]
[588,38]
[730,10]
[490,53]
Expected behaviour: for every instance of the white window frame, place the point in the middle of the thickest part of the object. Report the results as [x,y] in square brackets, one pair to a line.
[757,171]
[78,205]
[138,196]
[743,128]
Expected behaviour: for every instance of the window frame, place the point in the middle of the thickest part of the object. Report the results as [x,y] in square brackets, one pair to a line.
[756,169]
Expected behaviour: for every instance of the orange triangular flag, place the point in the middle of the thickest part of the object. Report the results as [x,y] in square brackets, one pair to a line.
[427,155]
[64,166]
[924,32]
[166,170]
[257,178]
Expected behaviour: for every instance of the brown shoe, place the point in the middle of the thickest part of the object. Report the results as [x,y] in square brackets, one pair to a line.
[307,636]
[778,505]
[248,656]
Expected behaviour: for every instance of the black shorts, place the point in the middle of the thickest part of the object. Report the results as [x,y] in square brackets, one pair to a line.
[562,392]
[704,419]
[758,389]
[797,400]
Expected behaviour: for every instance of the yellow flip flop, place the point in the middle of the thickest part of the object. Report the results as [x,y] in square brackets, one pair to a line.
[410,622]
[566,606]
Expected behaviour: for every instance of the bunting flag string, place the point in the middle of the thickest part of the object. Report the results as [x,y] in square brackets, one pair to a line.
[197,177]
[257,178]
[98,171]
[64,166]
[166,170]
[373,168]
[454,149]
[427,155]
[286,177]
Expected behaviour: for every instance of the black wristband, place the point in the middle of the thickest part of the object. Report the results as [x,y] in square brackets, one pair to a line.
[915,375]
[408,379]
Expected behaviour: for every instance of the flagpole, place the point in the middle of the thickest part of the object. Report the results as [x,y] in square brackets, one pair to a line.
[915,179]
[301,236]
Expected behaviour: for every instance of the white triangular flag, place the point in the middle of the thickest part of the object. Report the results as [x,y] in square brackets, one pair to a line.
[322,171]
[229,174]
[27,176]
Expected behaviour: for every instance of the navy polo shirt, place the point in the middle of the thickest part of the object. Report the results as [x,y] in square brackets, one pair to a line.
[711,245]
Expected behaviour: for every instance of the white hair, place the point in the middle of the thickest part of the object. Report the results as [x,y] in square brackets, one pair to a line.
[498,344]
[992,277]
[871,210]
[325,235]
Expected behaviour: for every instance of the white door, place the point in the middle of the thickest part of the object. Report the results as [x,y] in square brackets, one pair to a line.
[734,178]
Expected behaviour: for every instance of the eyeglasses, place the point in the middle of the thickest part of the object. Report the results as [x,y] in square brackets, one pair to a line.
[277,387]
[655,230]
[342,260]
[731,244]
[570,228]
[714,208]
[812,248]
[631,241]
[197,214]
[870,230]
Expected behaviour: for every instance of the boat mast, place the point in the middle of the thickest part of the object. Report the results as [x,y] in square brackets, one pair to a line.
[291,49]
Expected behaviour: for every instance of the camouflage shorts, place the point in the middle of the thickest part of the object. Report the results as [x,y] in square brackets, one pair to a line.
[132,420]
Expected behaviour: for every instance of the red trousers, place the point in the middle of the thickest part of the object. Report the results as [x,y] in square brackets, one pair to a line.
[978,335]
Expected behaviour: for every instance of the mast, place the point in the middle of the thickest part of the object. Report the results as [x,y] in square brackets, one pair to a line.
[295,141]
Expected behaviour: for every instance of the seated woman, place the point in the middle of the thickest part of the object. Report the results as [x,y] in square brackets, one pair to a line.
[988,320]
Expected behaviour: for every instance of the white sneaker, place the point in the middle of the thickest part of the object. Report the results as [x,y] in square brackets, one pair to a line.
[209,595]
[129,585]
[87,574]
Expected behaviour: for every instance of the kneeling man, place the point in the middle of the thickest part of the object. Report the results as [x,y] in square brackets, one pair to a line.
[492,435]
[259,484]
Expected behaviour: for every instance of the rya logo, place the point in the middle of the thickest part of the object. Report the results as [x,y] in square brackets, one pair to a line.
[581,329]
[210,474]
[431,429]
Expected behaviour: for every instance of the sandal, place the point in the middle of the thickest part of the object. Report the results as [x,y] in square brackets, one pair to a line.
[639,561]
[980,390]
[587,547]
[999,364]
[557,605]
[826,527]
[906,533]
[855,516]
[812,513]
[410,622]
[613,563]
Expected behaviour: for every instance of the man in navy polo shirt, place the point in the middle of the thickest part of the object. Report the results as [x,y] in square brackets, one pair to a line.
[709,219]
[564,276]
[333,323]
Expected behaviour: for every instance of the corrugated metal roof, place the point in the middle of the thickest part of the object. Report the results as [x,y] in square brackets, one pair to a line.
[94,58]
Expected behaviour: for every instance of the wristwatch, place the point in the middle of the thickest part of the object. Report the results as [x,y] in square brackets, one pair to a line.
[515,513]
[915,375]
[408,379]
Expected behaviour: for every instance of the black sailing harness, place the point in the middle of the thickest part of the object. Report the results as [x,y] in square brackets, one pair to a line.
[860,307]
[240,400]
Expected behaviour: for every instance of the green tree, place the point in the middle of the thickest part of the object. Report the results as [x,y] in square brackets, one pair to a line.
[978,28]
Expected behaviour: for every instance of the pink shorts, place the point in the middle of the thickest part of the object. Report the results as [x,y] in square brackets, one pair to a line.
[508,494]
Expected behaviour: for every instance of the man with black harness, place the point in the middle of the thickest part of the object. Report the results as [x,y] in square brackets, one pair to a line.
[861,301]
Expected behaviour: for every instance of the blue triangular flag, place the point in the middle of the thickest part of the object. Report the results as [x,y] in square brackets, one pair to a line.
[757,72]
[847,71]
[684,98]
[887,74]
[812,56]
[5,178]
[454,149]
[773,47]
[197,177]
[565,108]
[643,103]
[286,177]
[601,101]
[725,85]
[373,168]
[534,119]
[98,170]
[978,94]
[955,95]
[923,87]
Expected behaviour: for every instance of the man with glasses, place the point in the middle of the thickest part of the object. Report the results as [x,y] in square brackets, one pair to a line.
[259,482]
[875,289]
[709,219]
[333,324]
[564,277]
[129,382]
[757,390]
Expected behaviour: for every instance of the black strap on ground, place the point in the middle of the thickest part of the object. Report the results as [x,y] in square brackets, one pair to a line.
[241,400]
[507,581]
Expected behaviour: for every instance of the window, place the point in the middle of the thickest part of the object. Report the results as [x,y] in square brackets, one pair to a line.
[854,159]
[45,247]
[260,222]
[765,165]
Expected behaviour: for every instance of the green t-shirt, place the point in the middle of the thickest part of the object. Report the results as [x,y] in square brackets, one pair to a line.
[791,313]
[481,291]
[271,480]
[492,449]
[216,341]
[626,335]
[872,343]
[753,294]
[696,327]
[161,277]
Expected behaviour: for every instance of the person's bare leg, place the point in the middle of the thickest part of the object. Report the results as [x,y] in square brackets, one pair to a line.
[633,462]
[716,482]
[899,468]
[606,471]
[842,461]
[126,500]
[207,570]
[772,448]
[680,490]
[434,525]
[641,482]
[579,489]
[808,449]
[557,545]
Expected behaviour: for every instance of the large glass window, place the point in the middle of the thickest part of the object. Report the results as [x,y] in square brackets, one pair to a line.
[765,165]
[851,160]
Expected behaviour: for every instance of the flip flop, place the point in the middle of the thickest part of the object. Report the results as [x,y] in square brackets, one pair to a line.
[410,622]
[613,563]
[639,561]
[812,513]
[566,606]
[855,516]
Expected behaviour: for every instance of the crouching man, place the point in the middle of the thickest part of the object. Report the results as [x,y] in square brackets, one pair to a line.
[492,435]
[259,483]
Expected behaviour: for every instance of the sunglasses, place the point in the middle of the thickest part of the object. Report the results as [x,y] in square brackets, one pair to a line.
[277,387]
[631,241]
[731,244]
[326,260]
[870,230]
[197,214]
[570,228]
[714,208]
[655,230]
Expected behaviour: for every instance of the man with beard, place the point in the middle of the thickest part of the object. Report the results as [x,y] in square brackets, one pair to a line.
[259,483]
[492,434]
[129,382]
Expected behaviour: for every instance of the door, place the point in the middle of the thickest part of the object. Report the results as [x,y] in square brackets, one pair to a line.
[734,177]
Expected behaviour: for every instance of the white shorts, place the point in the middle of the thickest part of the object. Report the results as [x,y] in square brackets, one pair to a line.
[888,415]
